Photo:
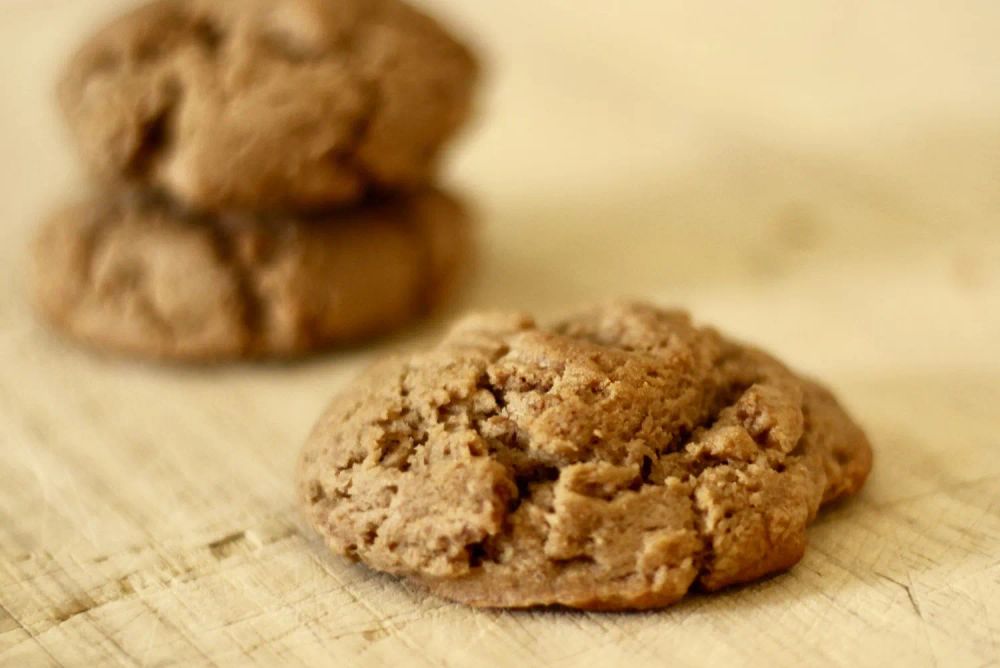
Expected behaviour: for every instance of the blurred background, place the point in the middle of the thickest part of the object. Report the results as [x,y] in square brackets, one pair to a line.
[822,161]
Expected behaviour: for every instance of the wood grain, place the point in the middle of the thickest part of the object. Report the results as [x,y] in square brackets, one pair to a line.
[820,178]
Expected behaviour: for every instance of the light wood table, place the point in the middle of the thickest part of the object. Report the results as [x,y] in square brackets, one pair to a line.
[820,178]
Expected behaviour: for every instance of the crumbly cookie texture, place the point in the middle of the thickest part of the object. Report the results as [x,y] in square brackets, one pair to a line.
[268,104]
[613,460]
[138,276]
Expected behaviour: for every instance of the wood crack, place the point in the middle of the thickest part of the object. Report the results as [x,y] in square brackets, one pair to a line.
[909,593]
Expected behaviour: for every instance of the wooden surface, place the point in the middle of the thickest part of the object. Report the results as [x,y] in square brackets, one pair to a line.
[821,178]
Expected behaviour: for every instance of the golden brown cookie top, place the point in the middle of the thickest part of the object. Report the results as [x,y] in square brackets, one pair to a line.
[608,461]
[268,104]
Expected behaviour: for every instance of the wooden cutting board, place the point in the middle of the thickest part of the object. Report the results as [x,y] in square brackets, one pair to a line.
[819,178]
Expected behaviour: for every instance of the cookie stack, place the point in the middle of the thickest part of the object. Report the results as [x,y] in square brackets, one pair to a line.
[263,174]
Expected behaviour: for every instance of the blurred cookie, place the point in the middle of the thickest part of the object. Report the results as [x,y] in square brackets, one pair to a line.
[268,105]
[613,460]
[137,276]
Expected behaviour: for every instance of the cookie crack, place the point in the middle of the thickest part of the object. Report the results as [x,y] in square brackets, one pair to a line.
[425,288]
[346,155]
[397,447]
[92,241]
[800,446]
[155,135]
[126,285]
[225,245]
[727,398]
[774,460]
[208,35]
[705,558]
[145,306]
[724,396]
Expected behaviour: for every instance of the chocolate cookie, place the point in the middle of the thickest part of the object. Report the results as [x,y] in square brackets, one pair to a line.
[268,105]
[613,460]
[138,276]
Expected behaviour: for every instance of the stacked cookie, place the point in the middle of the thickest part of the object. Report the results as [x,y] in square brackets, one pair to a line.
[264,174]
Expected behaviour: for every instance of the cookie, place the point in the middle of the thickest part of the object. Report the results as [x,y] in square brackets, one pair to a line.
[136,275]
[613,460]
[270,105]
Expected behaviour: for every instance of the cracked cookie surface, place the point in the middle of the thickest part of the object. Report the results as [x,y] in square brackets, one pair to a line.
[613,460]
[136,275]
[268,105]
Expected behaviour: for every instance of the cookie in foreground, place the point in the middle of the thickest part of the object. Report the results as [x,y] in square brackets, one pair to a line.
[136,275]
[268,105]
[613,460]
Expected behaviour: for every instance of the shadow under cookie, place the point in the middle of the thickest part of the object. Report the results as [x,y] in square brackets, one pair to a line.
[134,274]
